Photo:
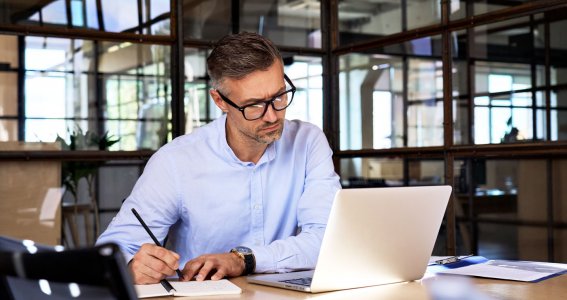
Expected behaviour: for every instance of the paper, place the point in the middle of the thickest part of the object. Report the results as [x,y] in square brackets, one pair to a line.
[509,270]
[188,288]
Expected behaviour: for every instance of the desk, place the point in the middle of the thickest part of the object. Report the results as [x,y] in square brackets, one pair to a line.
[553,288]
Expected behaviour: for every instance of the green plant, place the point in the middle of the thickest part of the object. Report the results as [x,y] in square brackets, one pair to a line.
[74,171]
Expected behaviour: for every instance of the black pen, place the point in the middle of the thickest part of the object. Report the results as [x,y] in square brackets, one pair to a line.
[153,238]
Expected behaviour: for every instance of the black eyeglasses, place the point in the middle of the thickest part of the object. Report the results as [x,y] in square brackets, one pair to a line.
[257,110]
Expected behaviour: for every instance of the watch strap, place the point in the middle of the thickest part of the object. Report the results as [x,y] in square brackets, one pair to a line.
[249,261]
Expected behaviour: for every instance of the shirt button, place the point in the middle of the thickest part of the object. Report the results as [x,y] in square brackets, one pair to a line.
[257,206]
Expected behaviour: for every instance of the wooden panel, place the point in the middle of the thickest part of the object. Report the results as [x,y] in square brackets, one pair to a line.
[30,196]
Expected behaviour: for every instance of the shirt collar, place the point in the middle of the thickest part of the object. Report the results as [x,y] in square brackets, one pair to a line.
[269,154]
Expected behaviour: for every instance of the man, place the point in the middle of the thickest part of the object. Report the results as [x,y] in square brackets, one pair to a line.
[249,192]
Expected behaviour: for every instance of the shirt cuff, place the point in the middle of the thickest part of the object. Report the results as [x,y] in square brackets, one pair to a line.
[264,259]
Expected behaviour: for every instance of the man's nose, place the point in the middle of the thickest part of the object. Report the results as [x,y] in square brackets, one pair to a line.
[271,114]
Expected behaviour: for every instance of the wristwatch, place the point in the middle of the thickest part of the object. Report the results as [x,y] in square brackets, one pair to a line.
[248,256]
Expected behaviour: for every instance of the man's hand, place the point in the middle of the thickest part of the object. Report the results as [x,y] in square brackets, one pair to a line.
[217,266]
[153,263]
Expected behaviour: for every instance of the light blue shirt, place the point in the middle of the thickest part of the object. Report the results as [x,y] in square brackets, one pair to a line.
[213,201]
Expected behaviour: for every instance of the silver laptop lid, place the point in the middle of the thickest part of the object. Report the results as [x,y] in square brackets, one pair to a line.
[378,236]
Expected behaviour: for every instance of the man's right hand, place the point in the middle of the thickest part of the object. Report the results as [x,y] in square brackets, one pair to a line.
[153,263]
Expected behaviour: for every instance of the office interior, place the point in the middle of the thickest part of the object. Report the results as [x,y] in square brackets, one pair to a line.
[472,94]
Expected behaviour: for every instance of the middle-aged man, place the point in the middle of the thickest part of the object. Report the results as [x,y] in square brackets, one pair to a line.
[249,192]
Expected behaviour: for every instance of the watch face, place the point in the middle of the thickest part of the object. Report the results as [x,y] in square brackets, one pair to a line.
[243,250]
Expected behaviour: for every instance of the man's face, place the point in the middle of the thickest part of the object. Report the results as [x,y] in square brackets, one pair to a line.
[257,86]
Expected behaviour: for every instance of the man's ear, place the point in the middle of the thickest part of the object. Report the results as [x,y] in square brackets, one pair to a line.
[218,100]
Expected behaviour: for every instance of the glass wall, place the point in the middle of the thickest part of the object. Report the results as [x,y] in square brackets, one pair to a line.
[508,80]
[387,172]
[286,23]
[61,91]
[147,17]
[460,8]
[306,74]
[494,195]
[367,20]
[393,97]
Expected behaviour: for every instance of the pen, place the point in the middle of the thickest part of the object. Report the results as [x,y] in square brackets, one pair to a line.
[451,259]
[153,237]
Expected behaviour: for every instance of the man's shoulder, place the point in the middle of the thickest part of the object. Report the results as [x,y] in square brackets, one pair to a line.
[301,127]
[200,136]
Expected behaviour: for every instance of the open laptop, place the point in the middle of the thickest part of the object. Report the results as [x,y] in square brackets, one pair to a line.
[374,236]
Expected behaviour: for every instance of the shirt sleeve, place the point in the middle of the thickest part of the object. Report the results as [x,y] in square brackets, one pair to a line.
[302,250]
[155,199]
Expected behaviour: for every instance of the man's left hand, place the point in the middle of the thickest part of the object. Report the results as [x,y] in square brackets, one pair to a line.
[217,266]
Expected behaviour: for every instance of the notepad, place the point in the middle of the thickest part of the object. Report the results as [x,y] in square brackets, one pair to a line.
[188,288]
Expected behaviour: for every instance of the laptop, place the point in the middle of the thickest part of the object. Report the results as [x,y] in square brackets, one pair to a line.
[374,236]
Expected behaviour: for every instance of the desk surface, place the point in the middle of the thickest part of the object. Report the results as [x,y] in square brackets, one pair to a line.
[553,288]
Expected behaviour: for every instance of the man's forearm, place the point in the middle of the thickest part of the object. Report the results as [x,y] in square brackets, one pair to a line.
[293,253]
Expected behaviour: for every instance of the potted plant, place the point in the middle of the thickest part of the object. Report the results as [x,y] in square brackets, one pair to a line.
[74,171]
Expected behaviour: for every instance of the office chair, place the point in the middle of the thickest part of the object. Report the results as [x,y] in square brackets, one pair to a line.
[90,273]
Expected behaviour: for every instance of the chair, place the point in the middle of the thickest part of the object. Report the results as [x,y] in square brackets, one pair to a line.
[89,273]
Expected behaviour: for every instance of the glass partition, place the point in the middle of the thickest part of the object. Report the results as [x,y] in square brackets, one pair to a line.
[390,101]
[384,172]
[371,101]
[199,107]
[459,8]
[371,172]
[306,73]
[509,101]
[286,23]
[367,20]
[206,20]
[145,17]
[60,92]
[558,60]
[501,192]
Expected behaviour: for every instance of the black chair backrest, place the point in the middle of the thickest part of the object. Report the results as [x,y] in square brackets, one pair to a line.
[90,273]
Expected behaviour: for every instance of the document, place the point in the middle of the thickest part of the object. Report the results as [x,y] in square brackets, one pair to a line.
[510,270]
[188,288]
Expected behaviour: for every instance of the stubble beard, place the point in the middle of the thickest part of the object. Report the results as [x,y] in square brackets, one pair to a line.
[268,137]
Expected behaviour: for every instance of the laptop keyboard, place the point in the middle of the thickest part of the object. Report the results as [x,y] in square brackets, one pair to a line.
[306,281]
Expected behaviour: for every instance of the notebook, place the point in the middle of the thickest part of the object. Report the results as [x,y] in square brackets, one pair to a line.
[374,236]
[188,288]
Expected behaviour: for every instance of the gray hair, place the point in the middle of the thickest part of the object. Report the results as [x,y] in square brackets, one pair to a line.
[237,55]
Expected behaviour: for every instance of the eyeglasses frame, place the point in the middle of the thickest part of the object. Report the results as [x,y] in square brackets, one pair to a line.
[267,102]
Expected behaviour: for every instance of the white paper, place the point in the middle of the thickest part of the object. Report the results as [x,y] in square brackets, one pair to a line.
[189,288]
[150,290]
[509,270]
